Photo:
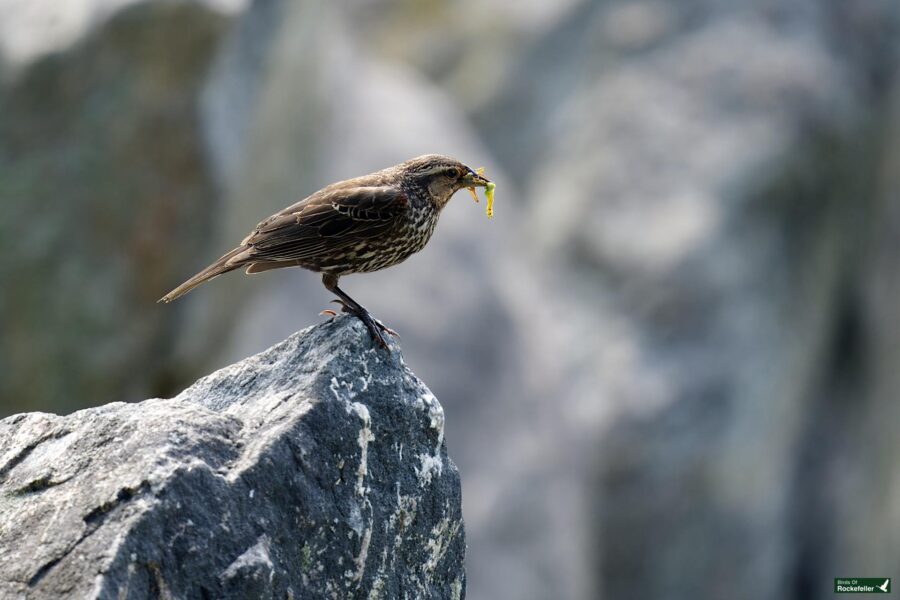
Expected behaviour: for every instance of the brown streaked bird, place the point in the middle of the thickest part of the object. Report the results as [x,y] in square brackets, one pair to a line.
[354,226]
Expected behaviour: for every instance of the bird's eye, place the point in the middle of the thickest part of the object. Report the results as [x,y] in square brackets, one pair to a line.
[456,173]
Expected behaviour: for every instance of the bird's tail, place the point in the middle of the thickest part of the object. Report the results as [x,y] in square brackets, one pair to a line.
[223,265]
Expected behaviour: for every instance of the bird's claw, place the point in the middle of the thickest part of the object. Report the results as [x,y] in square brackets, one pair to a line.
[386,329]
[345,308]
[375,327]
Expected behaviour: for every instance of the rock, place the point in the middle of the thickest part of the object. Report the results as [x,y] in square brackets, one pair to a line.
[718,177]
[30,31]
[104,190]
[315,469]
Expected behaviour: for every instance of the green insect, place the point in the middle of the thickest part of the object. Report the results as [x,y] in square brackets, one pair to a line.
[488,193]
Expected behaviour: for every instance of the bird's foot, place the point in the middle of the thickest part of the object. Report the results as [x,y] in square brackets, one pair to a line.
[386,329]
[376,328]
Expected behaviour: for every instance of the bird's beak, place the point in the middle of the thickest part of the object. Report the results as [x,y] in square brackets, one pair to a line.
[475,179]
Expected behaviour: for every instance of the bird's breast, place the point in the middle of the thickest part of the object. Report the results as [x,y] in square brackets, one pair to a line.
[405,238]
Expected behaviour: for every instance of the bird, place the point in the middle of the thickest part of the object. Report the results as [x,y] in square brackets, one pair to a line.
[359,225]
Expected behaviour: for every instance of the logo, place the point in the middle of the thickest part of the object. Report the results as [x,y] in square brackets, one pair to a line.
[862,585]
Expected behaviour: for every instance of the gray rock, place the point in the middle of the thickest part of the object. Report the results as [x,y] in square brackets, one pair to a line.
[40,27]
[316,469]
[717,175]
[104,189]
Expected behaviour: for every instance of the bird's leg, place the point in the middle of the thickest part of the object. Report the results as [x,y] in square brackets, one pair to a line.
[351,306]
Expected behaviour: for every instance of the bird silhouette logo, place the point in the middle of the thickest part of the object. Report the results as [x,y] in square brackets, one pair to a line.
[885,587]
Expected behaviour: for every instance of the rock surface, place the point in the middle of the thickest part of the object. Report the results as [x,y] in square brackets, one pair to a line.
[315,469]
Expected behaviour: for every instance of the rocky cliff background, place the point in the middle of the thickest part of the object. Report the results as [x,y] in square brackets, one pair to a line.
[670,365]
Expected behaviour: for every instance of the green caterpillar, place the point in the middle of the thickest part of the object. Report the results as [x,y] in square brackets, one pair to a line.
[489,194]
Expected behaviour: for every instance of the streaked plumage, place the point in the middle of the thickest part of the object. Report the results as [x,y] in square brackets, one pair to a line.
[354,226]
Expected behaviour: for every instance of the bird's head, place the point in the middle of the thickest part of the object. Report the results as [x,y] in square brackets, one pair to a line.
[442,176]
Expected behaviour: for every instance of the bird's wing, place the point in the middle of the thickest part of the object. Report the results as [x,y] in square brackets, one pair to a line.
[325,222]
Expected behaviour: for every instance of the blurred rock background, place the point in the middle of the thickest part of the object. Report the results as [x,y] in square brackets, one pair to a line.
[670,365]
